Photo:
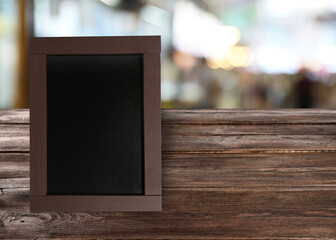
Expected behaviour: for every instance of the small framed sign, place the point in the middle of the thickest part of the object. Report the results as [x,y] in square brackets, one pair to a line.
[95,124]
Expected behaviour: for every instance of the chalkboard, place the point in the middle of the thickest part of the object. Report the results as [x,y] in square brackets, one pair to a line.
[95,124]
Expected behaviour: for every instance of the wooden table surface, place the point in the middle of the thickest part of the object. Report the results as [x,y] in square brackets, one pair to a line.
[228,174]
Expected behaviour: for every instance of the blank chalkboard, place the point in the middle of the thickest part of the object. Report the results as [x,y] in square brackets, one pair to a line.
[95,124]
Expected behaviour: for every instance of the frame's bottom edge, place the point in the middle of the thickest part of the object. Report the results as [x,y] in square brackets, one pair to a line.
[95,204]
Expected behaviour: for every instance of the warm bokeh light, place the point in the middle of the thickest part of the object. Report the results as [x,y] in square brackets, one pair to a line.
[236,56]
[239,56]
[224,63]
[211,63]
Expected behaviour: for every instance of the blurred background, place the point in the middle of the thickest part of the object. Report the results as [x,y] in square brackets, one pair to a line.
[215,53]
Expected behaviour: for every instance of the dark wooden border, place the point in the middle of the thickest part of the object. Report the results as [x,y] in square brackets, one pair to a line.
[150,47]
[94,203]
[38,128]
[95,45]
[152,124]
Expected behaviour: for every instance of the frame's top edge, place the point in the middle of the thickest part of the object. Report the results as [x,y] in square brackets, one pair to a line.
[95,45]
[98,37]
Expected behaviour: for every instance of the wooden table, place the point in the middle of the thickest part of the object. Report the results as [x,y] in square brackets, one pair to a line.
[229,174]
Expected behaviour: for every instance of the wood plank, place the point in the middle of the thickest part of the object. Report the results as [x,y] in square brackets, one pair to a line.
[14,130]
[298,171]
[9,183]
[11,169]
[247,143]
[247,116]
[186,214]
[14,170]
[14,157]
[14,138]
[250,171]
[262,129]
[14,116]
[289,203]
[250,161]
[213,116]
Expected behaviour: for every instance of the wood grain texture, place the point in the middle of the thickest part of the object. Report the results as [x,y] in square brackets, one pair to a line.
[297,171]
[260,129]
[227,137]
[256,192]
[14,116]
[14,165]
[14,137]
[233,116]
[248,143]
[187,214]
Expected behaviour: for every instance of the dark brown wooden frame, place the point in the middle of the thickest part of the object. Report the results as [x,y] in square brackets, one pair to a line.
[150,47]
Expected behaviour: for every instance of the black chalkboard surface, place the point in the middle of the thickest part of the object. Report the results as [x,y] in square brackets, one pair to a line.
[95,124]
